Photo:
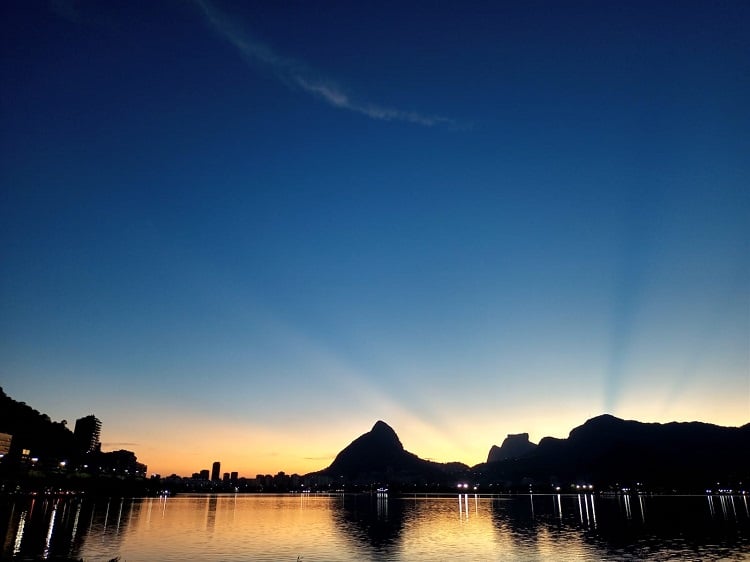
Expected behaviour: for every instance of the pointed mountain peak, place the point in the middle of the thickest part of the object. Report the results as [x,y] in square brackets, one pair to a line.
[379,456]
[381,427]
[384,435]
[379,446]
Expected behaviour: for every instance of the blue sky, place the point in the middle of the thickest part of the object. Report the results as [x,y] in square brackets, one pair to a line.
[249,230]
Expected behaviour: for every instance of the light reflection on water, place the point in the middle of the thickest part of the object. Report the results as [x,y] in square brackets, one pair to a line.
[378,527]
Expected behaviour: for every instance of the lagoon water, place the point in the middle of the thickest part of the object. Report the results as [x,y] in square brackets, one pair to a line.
[312,527]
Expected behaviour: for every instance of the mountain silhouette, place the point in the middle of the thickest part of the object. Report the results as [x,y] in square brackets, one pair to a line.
[513,447]
[607,450]
[379,457]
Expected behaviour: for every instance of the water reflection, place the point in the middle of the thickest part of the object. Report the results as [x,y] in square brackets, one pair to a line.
[53,527]
[49,531]
[211,503]
[465,504]
[378,527]
[371,523]
[727,507]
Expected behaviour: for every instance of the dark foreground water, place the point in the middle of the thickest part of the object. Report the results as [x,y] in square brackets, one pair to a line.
[364,527]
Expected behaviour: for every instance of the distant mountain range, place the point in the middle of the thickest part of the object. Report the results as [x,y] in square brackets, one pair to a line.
[605,451]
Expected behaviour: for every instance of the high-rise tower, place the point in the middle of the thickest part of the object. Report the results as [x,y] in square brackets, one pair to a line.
[86,434]
[216,471]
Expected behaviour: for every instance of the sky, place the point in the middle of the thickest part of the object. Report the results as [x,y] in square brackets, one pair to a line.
[246,231]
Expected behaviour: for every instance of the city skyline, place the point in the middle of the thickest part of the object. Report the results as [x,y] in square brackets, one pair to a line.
[248,231]
[87,430]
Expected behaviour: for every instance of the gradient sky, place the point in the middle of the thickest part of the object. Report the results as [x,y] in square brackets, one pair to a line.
[245,231]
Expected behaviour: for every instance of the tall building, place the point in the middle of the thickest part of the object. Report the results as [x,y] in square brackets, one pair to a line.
[216,471]
[5,440]
[86,434]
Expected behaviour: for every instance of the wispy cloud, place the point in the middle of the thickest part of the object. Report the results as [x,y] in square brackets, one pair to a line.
[296,74]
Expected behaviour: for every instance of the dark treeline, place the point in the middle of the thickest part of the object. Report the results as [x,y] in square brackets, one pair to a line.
[33,430]
[45,456]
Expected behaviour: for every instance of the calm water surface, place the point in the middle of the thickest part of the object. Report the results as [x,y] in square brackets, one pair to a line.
[363,527]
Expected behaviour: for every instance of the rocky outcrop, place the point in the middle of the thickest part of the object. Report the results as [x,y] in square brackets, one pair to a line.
[514,446]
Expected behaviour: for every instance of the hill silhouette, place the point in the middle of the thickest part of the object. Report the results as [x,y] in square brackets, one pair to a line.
[514,446]
[607,450]
[33,430]
[379,457]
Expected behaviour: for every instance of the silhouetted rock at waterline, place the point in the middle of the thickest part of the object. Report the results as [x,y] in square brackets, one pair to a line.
[514,446]
[607,450]
[379,456]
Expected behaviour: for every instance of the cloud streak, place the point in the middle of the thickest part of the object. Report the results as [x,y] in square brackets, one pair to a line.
[300,76]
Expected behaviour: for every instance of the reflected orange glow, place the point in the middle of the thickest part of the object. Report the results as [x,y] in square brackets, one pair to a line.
[369,527]
[223,520]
